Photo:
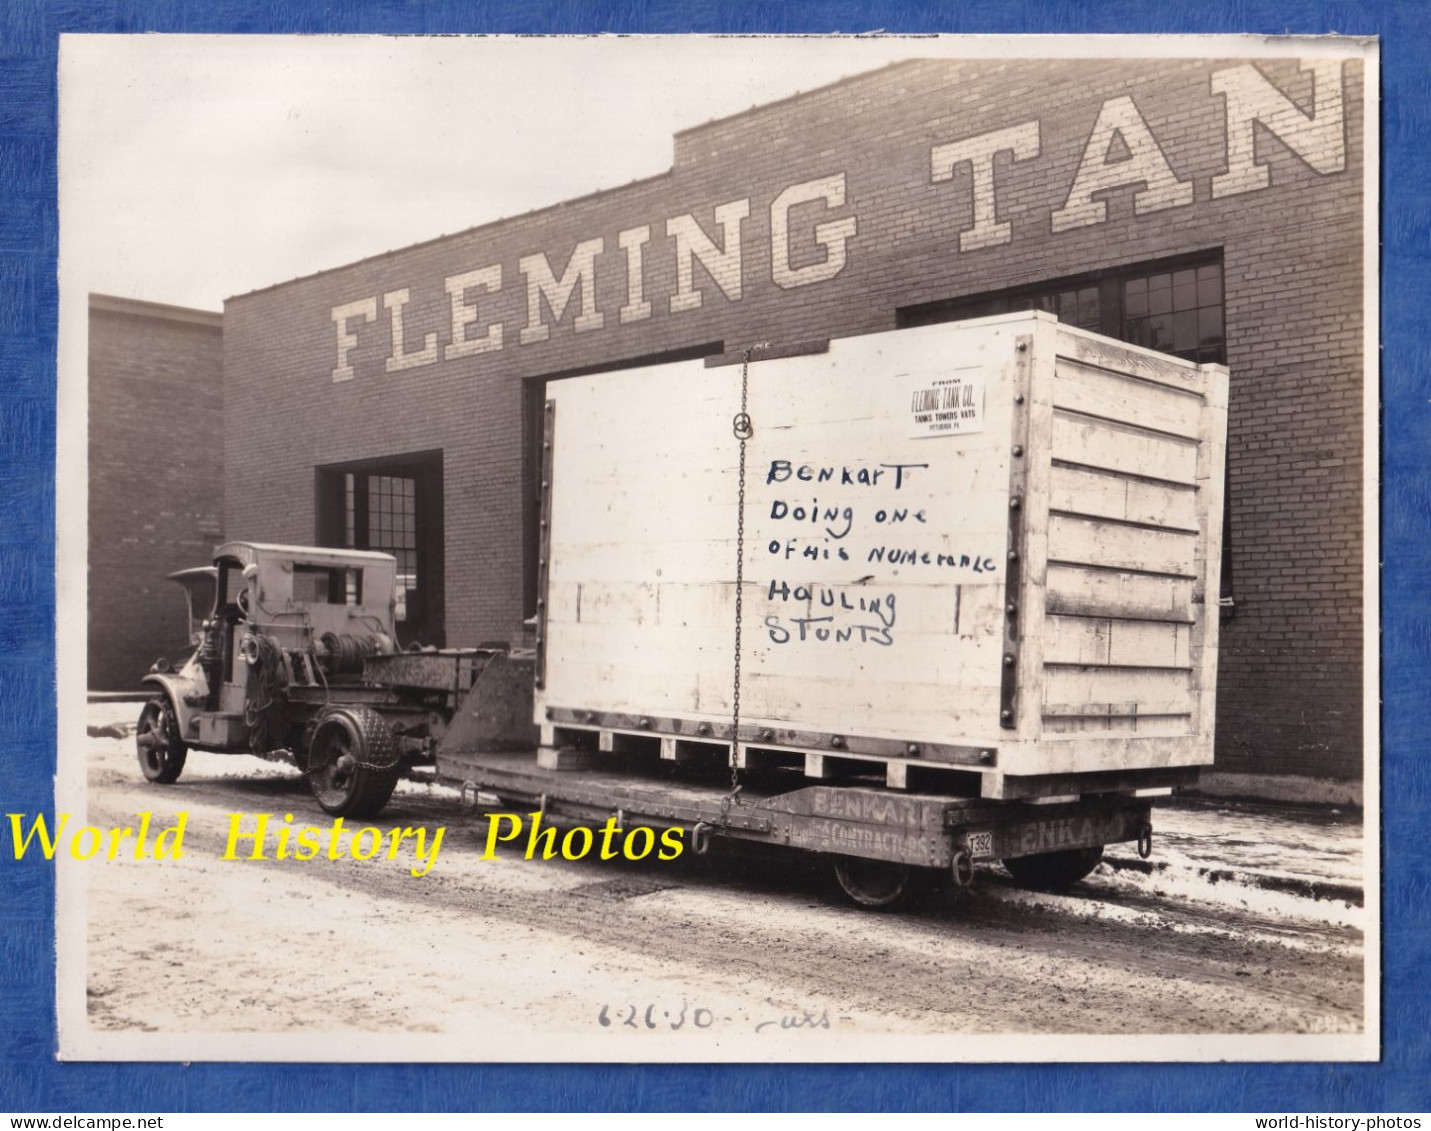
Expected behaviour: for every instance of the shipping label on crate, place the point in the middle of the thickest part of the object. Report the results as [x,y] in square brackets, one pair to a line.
[945,404]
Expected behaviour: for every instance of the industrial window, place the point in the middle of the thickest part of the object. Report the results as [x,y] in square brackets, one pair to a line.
[382,509]
[1177,312]
[1078,306]
[394,506]
[1175,306]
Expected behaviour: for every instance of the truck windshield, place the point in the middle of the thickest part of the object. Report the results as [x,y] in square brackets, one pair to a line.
[327,585]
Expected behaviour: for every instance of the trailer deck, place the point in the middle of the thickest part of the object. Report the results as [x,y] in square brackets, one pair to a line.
[857,818]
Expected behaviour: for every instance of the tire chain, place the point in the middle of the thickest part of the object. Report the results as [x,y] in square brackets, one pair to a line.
[382,751]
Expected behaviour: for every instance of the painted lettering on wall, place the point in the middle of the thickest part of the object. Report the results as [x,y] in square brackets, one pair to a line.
[813,232]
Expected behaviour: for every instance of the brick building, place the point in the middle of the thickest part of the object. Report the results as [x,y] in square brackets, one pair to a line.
[1211,209]
[156,414]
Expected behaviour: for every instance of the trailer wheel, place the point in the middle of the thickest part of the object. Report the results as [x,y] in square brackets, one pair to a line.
[881,885]
[162,752]
[352,762]
[1054,871]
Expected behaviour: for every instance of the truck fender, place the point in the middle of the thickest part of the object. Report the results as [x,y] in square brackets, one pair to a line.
[177,687]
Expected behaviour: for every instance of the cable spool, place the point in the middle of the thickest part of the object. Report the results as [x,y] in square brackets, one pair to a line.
[346,653]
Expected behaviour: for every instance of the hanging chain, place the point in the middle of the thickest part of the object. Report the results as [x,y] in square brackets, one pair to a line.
[742,428]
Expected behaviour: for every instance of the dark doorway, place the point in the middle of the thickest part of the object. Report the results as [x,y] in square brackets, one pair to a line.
[393,505]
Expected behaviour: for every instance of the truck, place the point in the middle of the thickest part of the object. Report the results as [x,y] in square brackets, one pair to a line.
[919,601]
[297,661]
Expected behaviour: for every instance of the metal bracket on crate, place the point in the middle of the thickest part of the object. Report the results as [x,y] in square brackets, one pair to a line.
[545,542]
[1014,570]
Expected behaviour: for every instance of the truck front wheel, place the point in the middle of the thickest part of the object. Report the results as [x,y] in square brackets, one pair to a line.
[353,762]
[161,751]
[1054,871]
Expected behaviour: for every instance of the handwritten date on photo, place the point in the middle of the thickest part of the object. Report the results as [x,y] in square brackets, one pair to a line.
[655,1017]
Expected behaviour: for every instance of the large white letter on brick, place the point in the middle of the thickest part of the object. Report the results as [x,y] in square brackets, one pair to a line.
[832,235]
[464,313]
[580,270]
[367,308]
[633,240]
[1145,165]
[1021,140]
[395,301]
[1317,138]
[723,263]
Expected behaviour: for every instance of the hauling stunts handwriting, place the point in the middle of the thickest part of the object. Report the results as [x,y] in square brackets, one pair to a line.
[834,613]
[867,514]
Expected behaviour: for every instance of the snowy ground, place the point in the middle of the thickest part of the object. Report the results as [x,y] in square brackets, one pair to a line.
[1245,920]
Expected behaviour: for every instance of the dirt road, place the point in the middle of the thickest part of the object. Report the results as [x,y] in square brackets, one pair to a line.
[747,944]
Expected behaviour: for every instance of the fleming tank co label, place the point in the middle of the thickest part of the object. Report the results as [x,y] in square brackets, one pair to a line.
[950,404]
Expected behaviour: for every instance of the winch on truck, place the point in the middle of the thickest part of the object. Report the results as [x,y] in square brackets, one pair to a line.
[919,601]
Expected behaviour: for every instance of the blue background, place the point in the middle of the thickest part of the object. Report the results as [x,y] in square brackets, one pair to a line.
[30,1078]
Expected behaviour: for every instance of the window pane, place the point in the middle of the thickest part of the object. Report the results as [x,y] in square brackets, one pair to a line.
[1185,330]
[1209,285]
[348,531]
[1088,308]
[1209,326]
[1135,300]
[1185,294]
[1160,294]
[1160,332]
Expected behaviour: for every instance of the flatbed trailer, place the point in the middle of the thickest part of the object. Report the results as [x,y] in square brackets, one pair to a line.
[884,844]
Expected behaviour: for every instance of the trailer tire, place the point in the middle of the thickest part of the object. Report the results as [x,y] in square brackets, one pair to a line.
[162,752]
[353,762]
[877,885]
[1054,871]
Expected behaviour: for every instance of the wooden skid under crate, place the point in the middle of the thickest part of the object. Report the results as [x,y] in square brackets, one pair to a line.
[832,758]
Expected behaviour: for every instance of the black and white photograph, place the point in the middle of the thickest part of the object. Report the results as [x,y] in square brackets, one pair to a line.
[682,548]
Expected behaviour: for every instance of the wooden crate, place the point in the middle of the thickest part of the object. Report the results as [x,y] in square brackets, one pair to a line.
[991,546]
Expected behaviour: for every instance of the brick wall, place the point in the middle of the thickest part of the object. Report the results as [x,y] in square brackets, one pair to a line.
[1291,672]
[156,416]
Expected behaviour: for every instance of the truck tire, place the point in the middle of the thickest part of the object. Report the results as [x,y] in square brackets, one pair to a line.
[162,752]
[879,885]
[353,762]
[1053,871]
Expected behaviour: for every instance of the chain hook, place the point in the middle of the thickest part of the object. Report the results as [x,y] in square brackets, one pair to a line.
[743,430]
[961,868]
